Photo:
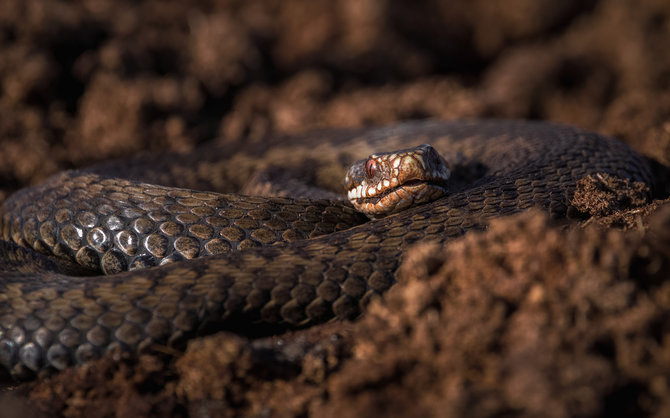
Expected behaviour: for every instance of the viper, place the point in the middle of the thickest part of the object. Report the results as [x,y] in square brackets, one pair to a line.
[186,249]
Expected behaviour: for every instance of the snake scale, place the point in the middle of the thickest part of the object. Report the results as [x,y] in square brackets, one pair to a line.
[273,260]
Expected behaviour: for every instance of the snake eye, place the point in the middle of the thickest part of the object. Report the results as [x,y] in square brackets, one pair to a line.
[370,168]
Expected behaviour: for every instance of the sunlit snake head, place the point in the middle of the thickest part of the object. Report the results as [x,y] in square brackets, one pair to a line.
[386,183]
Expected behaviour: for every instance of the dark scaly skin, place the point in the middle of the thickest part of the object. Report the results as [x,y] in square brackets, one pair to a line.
[109,225]
[50,320]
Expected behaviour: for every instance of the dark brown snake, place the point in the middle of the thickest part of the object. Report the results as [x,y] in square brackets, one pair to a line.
[317,267]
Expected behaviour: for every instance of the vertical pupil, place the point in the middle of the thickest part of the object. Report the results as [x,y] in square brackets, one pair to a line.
[370,168]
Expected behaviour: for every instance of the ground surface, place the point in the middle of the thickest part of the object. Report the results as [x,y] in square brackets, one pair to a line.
[528,319]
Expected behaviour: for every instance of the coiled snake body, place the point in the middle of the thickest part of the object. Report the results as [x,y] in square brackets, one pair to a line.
[273,260]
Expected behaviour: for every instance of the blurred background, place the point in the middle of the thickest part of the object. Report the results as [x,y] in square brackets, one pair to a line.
[84,81]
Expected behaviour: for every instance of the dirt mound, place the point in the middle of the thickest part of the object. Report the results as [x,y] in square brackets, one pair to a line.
[571,321]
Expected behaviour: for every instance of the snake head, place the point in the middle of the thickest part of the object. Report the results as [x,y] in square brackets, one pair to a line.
[385,183]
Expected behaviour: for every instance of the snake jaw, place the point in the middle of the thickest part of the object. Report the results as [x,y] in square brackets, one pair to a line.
[387,183]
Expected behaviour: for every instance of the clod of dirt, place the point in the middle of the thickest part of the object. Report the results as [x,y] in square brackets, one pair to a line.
[603,194]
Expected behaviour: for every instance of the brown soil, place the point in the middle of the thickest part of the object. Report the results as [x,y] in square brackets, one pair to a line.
[530,318]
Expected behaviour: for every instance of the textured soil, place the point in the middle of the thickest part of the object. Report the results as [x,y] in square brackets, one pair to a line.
[530,318]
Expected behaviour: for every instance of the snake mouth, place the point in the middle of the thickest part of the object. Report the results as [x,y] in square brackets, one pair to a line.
[411,186]
[398,198]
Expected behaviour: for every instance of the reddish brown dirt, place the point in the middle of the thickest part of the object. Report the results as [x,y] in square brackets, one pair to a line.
[529,318]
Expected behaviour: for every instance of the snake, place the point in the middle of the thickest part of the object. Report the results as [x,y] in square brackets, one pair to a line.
[181,261]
